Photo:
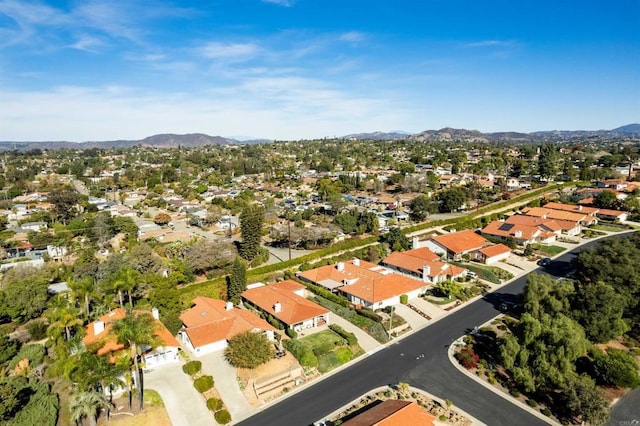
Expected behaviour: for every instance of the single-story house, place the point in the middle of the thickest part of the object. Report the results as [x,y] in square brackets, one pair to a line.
[556,226]
[493,254]
[521,233]
[456,244]
[422,263]
[210,323]
[591,211]
[616,215]
[97,333]
[284,301]
[547,213]
[365,284]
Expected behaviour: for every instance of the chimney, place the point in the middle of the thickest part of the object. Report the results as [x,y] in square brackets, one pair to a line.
[356,261]
[228,306]
[415,242]
[340,266]
[580,208]
[518,234]
[155,313]
[98,327]
[426,270]
[277,307]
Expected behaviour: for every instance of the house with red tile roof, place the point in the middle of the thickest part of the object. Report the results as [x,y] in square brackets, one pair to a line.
[617,215]
[523,234]
[492,254]
[422,263]
[547,213]
[285,302]
[393,412]
[365,283]
[454,245]
[97,334]
[210,323]
[591,211]
[556,226]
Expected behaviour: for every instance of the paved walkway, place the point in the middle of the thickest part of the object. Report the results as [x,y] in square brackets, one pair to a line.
[226,383]
[434,311]
[366,342]
[415,320]
[185,405]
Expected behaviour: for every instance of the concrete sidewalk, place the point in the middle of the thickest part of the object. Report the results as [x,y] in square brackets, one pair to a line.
[184,404]
[366,342]
[414,319]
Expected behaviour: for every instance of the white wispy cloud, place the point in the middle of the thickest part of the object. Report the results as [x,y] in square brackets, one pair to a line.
[285,3]
[88,44]
[353,37]
[235,51]
[491,43]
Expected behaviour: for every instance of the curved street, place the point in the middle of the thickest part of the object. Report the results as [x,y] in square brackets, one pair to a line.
[401,362]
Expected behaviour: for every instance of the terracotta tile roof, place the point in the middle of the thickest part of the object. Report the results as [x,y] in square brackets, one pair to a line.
[349,272]
[495,250]
[461,242]
[393,412]
[209,321]
[294,308]
[558,214]
[572,208]
[110,344]
[608,212]
[550,224]
[290,285]
[502,229]
[416,260]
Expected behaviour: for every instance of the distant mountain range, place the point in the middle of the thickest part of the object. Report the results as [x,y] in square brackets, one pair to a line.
[169,140]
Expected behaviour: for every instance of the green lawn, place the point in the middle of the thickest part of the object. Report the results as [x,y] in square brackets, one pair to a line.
[488,273]
[551,250]
[609,228]
[326,337]
[330,349]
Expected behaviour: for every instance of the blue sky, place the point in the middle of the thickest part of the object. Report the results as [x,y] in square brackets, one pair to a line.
[293,69]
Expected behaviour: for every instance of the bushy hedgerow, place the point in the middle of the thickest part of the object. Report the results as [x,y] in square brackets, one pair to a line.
[348,336]
[304,355]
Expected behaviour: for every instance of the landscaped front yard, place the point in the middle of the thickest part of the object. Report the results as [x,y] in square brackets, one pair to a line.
[331,349]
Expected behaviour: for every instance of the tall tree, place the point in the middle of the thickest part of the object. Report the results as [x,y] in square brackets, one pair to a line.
[237,280]
[134,331]
[421,207]
[64,205]
[251,221]
[547,167]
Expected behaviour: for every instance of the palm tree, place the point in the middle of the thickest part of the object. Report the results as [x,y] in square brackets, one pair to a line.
[63,319]
[126,279]
[87,404]
[83,287]
[134,331]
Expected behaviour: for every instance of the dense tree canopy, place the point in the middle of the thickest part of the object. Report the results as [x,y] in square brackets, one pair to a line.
[248,350]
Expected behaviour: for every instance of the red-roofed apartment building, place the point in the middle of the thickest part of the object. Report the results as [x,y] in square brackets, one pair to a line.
[97,333]
[285,302]
[423,264]
[210,323]
[393,412]
[365,283]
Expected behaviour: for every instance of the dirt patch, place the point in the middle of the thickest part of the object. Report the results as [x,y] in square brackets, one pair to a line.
[152,414]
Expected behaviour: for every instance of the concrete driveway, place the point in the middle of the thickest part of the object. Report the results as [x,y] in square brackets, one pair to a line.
[226,384]
[186,407]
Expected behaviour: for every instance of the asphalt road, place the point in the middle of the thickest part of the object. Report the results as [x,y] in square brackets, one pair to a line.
[401,362]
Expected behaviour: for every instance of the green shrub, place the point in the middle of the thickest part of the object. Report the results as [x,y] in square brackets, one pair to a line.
[192,367]
[404,299]
[442,418]
[292,333]
[323,349]
[546,412]
[37,329]
[34,353]
[203,383]
[343,355]
[214,404]
[515,393]
[222,417]
[368,313]
[348,336]
[531,403]
[304,355]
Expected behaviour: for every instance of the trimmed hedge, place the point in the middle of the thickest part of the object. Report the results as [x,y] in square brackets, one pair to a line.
[323,292]
[366,312]
[348,336]
[192,367]
[292,333]
[203,383]
[222,417]
[214,404]
[404,299]
[304,355]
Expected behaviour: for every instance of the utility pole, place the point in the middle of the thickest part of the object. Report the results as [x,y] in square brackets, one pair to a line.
[390,321]
[289,231]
